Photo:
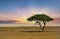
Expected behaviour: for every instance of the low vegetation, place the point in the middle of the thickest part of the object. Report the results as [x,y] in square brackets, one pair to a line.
[29,33]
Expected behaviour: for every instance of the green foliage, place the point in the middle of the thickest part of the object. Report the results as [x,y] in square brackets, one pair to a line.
[40,17]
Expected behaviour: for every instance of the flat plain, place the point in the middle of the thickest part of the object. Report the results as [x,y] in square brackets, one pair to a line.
[29,33]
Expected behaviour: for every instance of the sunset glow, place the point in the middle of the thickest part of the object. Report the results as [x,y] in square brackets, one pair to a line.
[20,10]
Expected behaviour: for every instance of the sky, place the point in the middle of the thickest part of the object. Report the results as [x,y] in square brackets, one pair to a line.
[19,10]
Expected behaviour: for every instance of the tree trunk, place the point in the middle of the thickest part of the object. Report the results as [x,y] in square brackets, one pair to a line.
[44,25]
[40,25]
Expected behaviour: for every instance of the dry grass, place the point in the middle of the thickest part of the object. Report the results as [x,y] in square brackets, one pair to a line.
[29,33]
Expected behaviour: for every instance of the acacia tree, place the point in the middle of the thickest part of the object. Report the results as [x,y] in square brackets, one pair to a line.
[38,18]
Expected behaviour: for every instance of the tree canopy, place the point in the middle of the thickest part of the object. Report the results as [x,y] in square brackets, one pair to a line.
[40,17]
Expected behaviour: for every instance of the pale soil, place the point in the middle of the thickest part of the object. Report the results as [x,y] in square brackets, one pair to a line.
[29,33]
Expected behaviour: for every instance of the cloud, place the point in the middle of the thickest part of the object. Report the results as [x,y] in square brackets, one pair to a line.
[8,21]
[21,14]
[57,20]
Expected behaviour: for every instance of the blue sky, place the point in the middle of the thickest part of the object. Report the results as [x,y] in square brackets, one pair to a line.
[7,4]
